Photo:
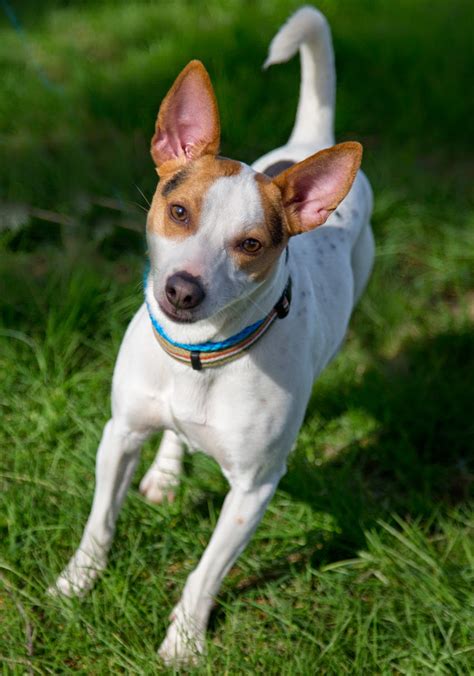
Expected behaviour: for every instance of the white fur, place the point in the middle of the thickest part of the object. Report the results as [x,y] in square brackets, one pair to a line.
[246,414]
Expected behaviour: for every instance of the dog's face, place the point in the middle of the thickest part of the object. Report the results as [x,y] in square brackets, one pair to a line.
[216,228]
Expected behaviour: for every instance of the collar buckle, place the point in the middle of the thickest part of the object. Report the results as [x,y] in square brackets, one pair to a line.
[282,307]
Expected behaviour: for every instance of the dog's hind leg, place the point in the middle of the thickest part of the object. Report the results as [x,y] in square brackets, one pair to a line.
[162,479]
[116,460]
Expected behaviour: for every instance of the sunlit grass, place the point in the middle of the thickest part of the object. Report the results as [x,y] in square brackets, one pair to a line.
[364,562]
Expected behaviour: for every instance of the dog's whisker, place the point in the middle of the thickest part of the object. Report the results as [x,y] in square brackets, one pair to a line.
[258,307]
[140,206]
[143,195]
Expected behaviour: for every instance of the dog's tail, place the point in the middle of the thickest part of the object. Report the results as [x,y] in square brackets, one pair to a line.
[308,31]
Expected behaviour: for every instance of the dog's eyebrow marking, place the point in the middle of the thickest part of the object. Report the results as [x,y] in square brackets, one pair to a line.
[174,182]
[276,227]
[278,167]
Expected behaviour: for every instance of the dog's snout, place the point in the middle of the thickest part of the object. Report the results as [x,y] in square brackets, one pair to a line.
[184,291]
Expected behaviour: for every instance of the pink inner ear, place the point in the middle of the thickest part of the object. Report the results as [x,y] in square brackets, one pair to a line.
[188,123]
[319,191]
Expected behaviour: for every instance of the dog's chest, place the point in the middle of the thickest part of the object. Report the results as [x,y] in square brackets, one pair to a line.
[187,405]
[232,417]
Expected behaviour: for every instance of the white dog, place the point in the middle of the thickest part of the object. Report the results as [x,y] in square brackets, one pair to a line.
[247,300]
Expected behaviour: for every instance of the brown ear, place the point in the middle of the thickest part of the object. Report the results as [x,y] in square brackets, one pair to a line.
[312,189]
[188,124]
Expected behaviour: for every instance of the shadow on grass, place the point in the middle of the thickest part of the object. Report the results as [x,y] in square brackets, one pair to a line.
[419,462]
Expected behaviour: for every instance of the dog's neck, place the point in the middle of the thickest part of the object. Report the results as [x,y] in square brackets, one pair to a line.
[232,319]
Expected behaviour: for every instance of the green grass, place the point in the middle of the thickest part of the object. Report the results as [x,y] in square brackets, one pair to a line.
[364,562]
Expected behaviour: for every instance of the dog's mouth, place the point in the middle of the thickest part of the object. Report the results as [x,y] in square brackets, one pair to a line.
[179,316]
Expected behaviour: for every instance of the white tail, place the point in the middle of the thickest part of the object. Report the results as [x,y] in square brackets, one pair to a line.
[308,31]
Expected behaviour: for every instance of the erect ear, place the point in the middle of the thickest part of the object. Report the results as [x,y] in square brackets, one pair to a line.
[188,124]
[312,189]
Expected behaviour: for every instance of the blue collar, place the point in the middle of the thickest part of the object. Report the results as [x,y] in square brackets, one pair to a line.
[215,353]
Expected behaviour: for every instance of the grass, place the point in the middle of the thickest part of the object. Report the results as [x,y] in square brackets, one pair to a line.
[364,561]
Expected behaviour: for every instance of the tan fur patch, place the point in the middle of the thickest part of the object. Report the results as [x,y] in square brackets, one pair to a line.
[272,233]
[186,187]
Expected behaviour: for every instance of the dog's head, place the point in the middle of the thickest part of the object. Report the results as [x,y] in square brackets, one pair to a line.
[216,228]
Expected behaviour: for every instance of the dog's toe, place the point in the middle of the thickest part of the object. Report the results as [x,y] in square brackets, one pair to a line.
[181,646]
[79,575]
[66,586]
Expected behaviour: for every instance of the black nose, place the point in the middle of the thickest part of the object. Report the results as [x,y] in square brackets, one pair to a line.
[184,291]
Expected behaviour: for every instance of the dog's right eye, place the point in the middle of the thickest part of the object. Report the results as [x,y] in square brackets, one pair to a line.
[251,245]
[178,213]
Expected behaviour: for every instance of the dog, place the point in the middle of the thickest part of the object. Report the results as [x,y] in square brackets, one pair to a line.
[253,274]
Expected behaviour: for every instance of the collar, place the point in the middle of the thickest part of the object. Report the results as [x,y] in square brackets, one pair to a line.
[208,355]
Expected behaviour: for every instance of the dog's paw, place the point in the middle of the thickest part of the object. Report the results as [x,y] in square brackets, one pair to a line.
[183,645]
[78,577]
[158,487]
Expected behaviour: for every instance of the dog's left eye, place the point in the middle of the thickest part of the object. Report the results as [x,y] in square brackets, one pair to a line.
[178,213]
[250,245]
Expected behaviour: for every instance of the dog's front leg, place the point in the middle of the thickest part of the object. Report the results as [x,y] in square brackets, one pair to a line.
[240,516]
[116,460]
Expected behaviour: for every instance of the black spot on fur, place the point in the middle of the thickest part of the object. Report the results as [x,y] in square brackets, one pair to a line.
[278,167]
[174,182]
[337,214]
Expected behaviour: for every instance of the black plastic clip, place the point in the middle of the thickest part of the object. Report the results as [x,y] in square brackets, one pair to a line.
[196,361]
